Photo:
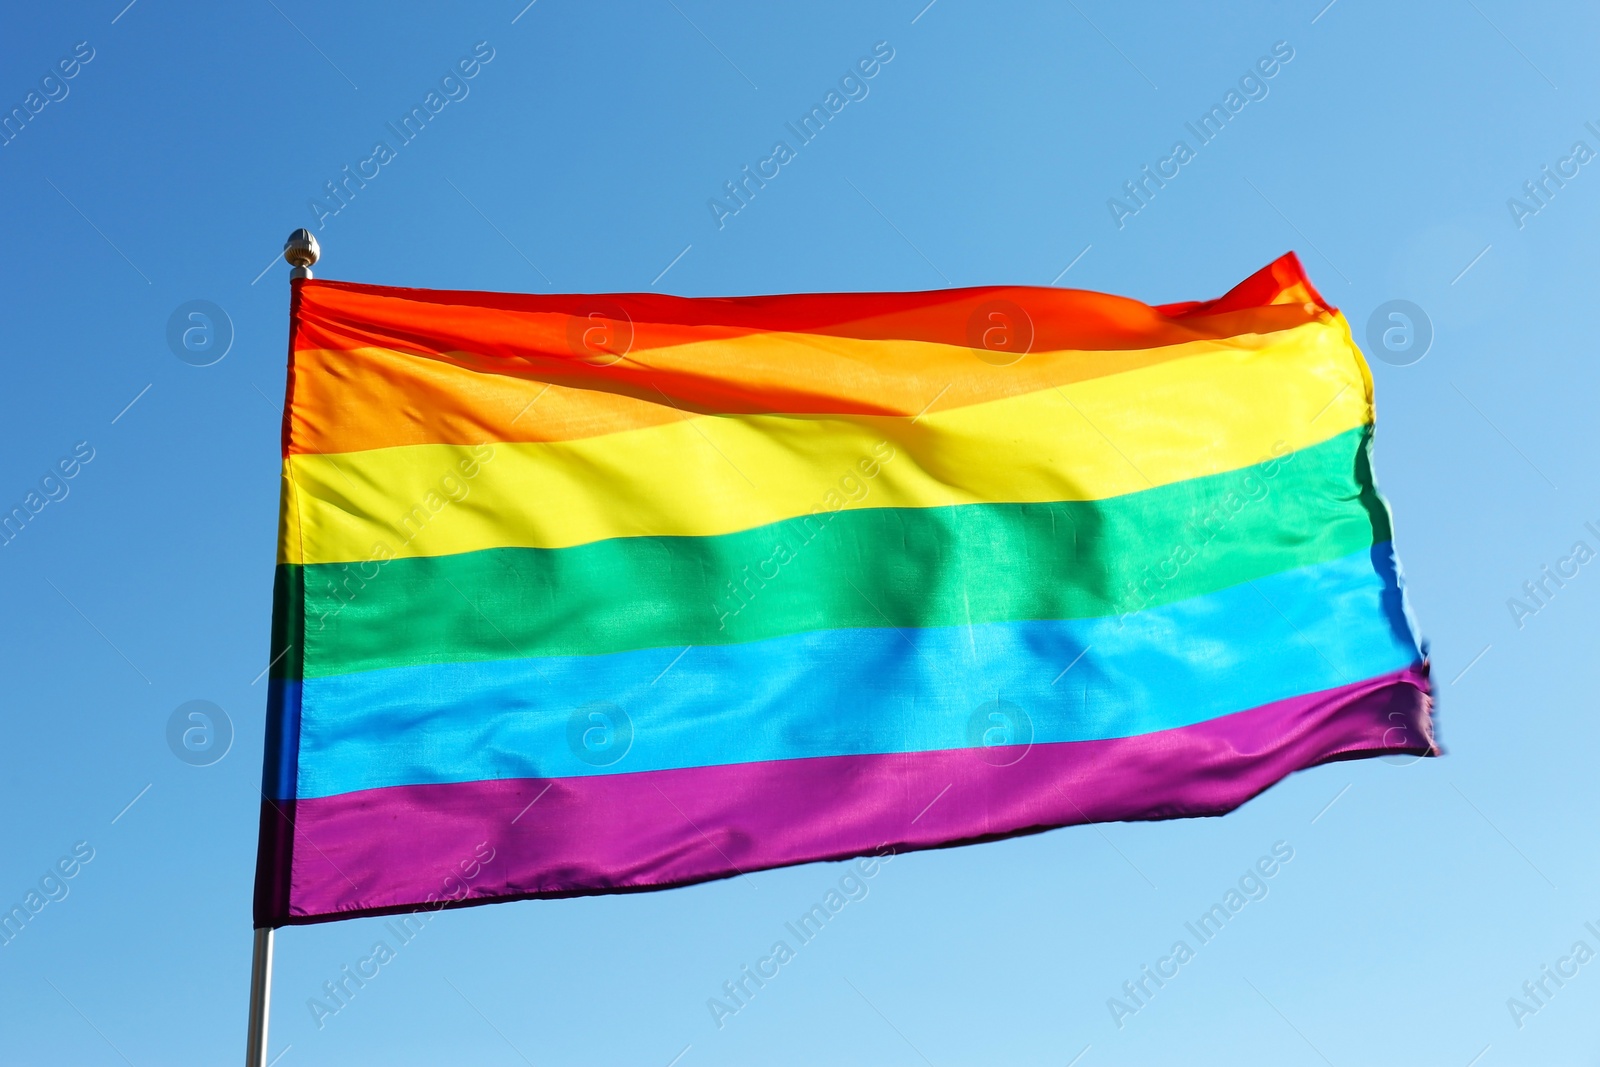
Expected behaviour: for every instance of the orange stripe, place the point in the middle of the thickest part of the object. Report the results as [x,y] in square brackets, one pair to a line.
[371,398]
[374,368]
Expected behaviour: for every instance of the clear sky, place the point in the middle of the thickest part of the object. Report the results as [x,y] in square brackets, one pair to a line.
[186,144]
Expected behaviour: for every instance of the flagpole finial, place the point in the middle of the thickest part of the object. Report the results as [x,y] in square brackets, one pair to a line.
[301,250]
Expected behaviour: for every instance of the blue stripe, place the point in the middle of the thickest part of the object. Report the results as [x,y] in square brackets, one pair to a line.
[857,691]
[278,763]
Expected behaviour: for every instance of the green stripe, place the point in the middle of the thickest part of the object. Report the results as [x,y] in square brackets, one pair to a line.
[903,567]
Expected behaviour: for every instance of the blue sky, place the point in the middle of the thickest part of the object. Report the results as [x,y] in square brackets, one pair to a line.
[188,142]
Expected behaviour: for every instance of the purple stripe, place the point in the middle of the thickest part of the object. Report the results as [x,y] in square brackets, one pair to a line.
[401,848]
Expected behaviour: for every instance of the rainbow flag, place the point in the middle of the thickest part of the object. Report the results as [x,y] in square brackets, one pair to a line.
[586,595]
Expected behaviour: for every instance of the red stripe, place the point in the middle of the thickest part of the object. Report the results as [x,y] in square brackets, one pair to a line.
[338,315]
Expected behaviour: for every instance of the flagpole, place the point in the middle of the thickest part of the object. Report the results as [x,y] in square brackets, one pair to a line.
[301,251]
[255,1053]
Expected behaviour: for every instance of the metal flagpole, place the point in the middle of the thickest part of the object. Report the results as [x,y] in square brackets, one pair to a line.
[301,251]
[255,1054]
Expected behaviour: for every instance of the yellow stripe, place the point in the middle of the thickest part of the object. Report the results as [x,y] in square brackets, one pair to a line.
[705,475]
